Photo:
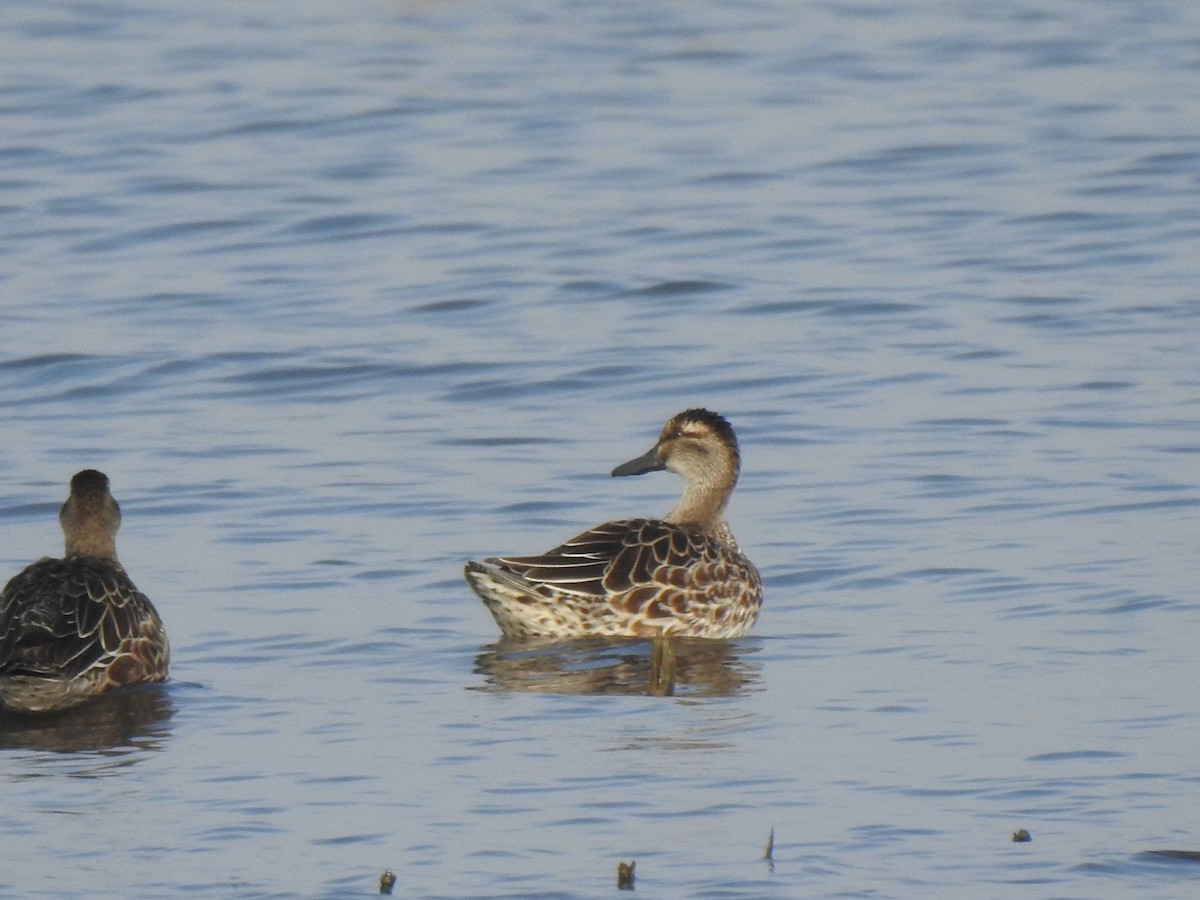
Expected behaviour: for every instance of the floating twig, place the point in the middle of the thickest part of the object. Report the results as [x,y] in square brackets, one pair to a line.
[625,875]
[387,881]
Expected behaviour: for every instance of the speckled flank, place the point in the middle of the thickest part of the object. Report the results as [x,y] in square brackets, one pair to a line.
[683,574]
[72,628]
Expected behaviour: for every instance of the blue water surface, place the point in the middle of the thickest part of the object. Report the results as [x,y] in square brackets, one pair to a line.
[342,295]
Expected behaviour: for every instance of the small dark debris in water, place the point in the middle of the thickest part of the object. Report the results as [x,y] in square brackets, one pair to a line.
[625,875]
[769,852]
[1021,836]
[662,667]
[1189,855]
[387,881]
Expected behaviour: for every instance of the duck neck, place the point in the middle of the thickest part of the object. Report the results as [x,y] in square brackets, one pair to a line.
[702,506]
[92,542]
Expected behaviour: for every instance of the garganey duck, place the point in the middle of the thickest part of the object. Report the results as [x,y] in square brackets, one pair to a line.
[680,575]
[73,628]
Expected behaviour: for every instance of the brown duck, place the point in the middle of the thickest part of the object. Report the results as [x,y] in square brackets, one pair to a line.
[73,628]
[680,575]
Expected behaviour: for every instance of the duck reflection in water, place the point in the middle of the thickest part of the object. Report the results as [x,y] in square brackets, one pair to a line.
[603,665]
[133,718]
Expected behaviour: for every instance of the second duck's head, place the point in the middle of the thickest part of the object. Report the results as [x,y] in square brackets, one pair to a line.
[90,517]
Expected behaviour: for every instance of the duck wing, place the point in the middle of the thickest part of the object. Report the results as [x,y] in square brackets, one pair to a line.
[639,562]
[61,617]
